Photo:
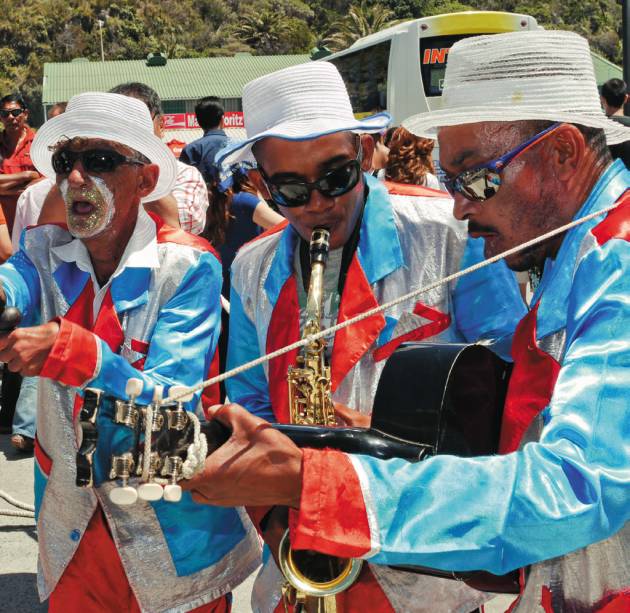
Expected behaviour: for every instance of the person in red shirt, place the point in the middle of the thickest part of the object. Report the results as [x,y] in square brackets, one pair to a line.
[16,167]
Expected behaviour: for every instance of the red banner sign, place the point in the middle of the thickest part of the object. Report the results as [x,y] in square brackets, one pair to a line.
[182,121]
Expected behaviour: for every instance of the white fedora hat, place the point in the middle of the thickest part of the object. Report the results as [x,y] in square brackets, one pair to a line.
[110,117]
[297,103]
[535,75]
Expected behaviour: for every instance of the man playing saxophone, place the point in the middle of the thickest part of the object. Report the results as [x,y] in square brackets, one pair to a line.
[313,160]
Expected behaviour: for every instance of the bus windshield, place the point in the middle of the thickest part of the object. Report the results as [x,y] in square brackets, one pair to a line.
[433,55]
[365,76]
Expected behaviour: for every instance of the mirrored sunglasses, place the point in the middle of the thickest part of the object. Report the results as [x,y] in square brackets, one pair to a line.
[481,183]
[334,183]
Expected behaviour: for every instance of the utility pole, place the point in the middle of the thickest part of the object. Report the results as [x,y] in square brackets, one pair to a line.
[100,23]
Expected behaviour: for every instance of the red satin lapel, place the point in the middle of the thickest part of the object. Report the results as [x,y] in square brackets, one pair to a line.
[107,324]
[353,342]
[284,329]
[531,384]
[80,312]
[616,224]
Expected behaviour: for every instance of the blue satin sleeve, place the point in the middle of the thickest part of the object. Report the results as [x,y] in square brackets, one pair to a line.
[183,341]
[569,489]
[250,388]
[22,287]
[488,303]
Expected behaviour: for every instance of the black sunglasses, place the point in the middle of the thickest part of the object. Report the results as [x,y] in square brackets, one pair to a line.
[93,160]
[4,113]
[334,183]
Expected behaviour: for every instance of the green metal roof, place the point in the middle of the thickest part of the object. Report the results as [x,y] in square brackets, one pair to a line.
[604,69]
[179,79]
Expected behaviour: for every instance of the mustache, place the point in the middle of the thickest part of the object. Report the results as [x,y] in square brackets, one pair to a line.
[89,194]
[475,227]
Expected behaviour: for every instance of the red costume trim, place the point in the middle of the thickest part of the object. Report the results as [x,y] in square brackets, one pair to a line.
[284,329]
[546,601]
[167,234]
[614,603]
[353,342]
[95,580]
[404,189]
[329,481]
[74,355]
[139,346]
[268,232]
[531,384]
[439,322]
[43,459]
[212,395]
[616,224]
[80,312]
[107,325]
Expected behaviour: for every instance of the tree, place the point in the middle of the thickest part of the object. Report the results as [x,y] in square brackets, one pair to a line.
[276,27]
[362,19]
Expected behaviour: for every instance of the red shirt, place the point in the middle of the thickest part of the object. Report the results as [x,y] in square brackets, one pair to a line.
[18,160]
[11,162]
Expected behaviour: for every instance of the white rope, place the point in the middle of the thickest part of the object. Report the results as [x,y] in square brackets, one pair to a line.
[12,513]
[197,450]
[388,305]
[16,503]
[28,510]
[148,435]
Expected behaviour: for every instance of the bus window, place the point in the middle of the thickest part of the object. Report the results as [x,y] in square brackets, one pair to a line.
[433,56]
[365,76]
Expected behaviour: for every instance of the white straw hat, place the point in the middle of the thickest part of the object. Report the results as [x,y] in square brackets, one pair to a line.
[110,117]
[297,103]
[535,75]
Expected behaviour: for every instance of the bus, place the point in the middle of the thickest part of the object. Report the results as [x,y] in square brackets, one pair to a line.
[401,69]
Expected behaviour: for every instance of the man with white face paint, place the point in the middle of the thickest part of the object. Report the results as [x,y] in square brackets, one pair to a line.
[110,295]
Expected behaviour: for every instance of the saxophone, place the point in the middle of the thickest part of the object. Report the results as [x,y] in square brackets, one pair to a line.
[313,578]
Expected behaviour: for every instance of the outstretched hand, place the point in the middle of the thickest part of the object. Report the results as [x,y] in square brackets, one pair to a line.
[257,466]
[25,350]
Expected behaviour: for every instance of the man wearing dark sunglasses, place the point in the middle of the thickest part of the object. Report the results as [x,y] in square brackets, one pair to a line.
[111,294]
[313,165]
[16,167]
[184,207]
[523,143]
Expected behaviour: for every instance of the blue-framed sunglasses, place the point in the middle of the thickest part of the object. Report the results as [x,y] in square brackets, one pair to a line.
[483,182]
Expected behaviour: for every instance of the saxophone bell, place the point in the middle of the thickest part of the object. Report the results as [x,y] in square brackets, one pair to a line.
[312,577]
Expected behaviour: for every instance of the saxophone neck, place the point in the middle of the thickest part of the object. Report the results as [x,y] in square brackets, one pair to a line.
[319,247]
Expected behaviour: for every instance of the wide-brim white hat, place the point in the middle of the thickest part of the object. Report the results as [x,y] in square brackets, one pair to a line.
[534,75]
[112,117]
[301,102]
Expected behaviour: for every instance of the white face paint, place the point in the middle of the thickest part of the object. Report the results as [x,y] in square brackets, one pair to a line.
[90,210]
